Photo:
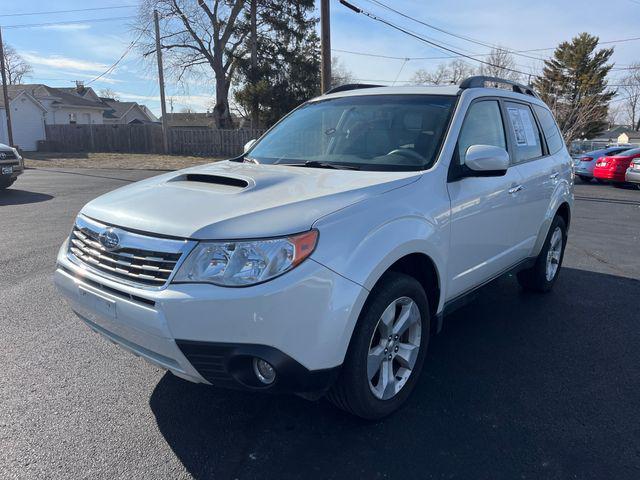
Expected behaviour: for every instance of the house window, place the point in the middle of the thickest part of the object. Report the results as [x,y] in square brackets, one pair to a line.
[72,118]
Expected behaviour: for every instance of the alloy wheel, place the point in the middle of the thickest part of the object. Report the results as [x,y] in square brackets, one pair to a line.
[554,254]
[394,347]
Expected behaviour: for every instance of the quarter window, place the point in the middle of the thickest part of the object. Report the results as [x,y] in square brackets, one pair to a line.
[526,135]
[550,129]
[482,126]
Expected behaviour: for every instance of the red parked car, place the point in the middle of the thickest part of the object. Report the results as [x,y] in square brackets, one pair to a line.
[613,168]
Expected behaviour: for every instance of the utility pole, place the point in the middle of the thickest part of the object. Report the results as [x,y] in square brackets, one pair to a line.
[325,46]
[254,62]
[5,93]
[163,106]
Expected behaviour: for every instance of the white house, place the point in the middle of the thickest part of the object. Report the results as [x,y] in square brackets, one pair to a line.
[65,108]
[35,105]
[116,112]
[27,120]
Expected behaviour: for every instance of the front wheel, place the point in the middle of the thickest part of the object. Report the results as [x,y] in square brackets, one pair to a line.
[545,271]
[387,350]
[6,183]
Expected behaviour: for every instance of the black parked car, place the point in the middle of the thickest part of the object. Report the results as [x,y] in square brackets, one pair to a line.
[11,165]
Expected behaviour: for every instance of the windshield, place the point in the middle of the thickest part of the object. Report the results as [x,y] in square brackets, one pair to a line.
[373,132]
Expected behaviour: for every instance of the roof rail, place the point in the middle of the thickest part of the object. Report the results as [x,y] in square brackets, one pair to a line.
[350,86]
[480,81]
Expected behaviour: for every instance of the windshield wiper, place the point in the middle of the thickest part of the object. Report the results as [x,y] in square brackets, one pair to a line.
[318,164]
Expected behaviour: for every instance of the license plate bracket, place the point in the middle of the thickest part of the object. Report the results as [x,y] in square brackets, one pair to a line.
[102,306]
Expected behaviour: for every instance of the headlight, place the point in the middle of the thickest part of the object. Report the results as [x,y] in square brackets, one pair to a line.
[243,263]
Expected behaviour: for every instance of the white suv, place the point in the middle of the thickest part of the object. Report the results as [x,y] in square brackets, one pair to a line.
[323,259]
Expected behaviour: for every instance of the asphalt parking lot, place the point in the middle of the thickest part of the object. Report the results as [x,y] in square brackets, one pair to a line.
[518,386]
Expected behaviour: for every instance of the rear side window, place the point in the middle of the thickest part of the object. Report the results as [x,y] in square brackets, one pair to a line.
[528,144]
[482,126]
[550,129]
[628,153]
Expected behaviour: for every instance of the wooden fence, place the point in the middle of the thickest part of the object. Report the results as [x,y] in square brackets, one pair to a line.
[146,138]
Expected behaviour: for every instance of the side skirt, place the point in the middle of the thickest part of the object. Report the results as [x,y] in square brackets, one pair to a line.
[470,295]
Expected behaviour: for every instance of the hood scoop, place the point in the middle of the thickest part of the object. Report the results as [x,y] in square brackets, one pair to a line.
[203,179]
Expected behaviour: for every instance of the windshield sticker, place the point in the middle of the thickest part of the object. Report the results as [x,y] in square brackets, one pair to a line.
[522,127]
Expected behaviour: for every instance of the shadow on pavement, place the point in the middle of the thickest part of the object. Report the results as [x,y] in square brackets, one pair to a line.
[516,386]
[12,196]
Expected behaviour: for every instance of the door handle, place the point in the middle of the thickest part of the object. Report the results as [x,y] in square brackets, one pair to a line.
[515,189]
[553,176]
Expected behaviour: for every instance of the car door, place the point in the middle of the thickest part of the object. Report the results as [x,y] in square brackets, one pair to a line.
[537,165]
[484,214]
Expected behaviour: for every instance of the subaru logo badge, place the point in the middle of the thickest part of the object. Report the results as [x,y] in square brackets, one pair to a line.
[3,155]
[109,239]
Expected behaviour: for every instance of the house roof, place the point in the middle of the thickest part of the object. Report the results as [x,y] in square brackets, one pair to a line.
[190,119]
[62,95]
[632,134]
[13,93]
[119,109]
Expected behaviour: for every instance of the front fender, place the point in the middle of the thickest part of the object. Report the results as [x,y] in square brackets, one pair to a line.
[366,252]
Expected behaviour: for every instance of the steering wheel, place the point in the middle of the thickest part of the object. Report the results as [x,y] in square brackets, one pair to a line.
[407,153]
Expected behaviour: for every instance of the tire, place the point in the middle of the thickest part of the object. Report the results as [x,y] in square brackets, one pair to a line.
[354,389]
[6,183]
[584,179]
[536,278]
[600,181]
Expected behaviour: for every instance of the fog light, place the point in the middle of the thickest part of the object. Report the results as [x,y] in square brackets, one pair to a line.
[264,371]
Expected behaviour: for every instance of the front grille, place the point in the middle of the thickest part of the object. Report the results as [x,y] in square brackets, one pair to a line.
[149,267]
[7,155]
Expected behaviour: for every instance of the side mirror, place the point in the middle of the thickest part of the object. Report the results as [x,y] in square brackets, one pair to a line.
[487,160]
[248,145]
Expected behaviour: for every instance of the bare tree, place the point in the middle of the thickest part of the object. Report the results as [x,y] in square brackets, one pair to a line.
[198,36]
[500,63]
[15,66]
[109,93]
[630,100]
[339,73]
[446,73]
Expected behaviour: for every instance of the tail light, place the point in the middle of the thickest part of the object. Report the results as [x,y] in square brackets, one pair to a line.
[586,159]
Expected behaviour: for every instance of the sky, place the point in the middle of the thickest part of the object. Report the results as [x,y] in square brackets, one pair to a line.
[91,41]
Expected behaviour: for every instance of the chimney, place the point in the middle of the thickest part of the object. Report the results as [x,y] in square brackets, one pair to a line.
[79,86]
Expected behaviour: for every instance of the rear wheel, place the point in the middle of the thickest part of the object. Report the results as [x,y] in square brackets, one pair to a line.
[545,271]
[387,350]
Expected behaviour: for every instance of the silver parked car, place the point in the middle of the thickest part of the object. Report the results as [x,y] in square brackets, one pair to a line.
[633,173]
[586,162]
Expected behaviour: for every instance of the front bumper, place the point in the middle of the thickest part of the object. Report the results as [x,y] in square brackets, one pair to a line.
[17,168]
[300,322]
[632,176]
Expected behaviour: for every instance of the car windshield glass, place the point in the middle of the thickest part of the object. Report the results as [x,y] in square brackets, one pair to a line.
[371,132]
[628,153]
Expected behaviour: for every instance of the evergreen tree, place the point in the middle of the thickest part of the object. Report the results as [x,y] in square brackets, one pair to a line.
[288,70]
[574,85]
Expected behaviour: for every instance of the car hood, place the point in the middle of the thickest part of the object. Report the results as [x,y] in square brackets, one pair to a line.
[230,200]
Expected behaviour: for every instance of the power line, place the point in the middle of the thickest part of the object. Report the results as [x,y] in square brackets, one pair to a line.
[430,42]
[68,22]
[65,11]
[447,32]
[124,54]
